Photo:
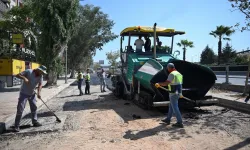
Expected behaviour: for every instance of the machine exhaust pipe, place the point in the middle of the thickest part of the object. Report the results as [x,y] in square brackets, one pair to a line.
[154,41]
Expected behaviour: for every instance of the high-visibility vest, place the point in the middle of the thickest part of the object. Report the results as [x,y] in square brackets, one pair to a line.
[87,77]
[80,76]
[176,84]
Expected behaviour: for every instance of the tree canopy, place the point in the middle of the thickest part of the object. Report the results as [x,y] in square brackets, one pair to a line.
[112,57]
[228,54]
[207,56]
[221,32]
[185,44]
[244,7]
[92,31]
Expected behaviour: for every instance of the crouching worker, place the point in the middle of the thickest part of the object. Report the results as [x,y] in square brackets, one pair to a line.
[87,81]
[31,78]
[79,81]
[174,83]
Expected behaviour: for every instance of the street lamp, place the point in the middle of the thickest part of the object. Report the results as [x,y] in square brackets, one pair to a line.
[113,68]
[66,65]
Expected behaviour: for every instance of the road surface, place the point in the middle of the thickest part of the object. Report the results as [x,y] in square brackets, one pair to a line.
[101,121]
[236,80]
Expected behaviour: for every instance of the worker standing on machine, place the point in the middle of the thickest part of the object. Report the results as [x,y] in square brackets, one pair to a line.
[174,83]
[79,81]
[87,81]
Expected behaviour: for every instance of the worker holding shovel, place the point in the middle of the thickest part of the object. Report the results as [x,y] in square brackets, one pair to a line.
[174,83]
[31,78]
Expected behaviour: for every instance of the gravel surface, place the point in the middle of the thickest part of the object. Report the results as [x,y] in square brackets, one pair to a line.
[101,121]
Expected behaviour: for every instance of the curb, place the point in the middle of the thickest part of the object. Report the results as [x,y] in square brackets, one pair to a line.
[10,120]
[232,104]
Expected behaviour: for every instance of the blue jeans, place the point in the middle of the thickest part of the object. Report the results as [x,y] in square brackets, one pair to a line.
[173,108]
[21,105]
[103,84]
[80,85]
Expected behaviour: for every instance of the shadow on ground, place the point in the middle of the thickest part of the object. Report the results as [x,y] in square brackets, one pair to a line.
[215,119]
[239,145]
[174,133]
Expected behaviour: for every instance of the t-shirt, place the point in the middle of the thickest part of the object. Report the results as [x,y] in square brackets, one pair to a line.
[139,43]
[33,82]
[102,75]
[170,77]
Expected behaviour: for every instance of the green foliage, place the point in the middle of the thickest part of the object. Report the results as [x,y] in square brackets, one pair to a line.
[244,7]
[221,32]
[207,56]
[112,57]
[161,49]
[92,31]
[56,21]
[241,59]
[228,54]
[185,44]
[15,21]
[59,66]
[96,66]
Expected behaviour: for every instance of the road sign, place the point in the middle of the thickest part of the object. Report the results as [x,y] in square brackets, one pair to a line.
[101,61]
[17,38]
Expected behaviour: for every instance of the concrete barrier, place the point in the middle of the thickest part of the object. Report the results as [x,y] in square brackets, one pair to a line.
[235,105]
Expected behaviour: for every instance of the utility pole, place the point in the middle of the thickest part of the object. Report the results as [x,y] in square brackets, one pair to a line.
[66,65]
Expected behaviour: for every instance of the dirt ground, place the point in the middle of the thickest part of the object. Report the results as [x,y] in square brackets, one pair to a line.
[101,121]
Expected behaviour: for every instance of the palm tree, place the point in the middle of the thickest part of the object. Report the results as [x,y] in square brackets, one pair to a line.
[185,44]
[220,32]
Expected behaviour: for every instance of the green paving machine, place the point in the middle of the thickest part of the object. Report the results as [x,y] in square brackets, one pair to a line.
[141,70]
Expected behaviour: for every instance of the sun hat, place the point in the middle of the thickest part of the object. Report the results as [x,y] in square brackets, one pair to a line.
[43,69]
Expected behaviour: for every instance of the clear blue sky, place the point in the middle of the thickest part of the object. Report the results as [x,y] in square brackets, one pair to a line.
[196,17]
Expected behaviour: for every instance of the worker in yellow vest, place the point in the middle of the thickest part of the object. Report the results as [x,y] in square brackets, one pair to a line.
[87,81]
[174,83]
[79,81]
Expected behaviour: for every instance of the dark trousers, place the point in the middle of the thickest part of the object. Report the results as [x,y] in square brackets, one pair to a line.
[21,105]
[87,88]
[80,86]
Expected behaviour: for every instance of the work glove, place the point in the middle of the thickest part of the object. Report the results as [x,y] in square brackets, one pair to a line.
[157,85]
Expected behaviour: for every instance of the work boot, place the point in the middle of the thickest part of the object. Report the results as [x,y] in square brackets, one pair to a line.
[166,121]
[16,129]
[37,124]
[179,125]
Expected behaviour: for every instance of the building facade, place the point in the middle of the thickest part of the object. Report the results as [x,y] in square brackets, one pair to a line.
[6,5]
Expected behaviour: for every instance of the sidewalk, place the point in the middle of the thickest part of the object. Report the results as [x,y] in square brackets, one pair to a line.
[232,100]
[9,99]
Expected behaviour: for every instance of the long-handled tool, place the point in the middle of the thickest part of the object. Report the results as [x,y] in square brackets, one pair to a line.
[57,119]
[158,86]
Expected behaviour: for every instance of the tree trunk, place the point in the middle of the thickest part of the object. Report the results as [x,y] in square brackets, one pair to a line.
[52,77]
[219,51]
[72,74]
[184,54]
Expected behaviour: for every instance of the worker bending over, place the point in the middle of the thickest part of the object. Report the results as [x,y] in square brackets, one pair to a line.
[87,81]
[31,79]
[79,82]
[174,83]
